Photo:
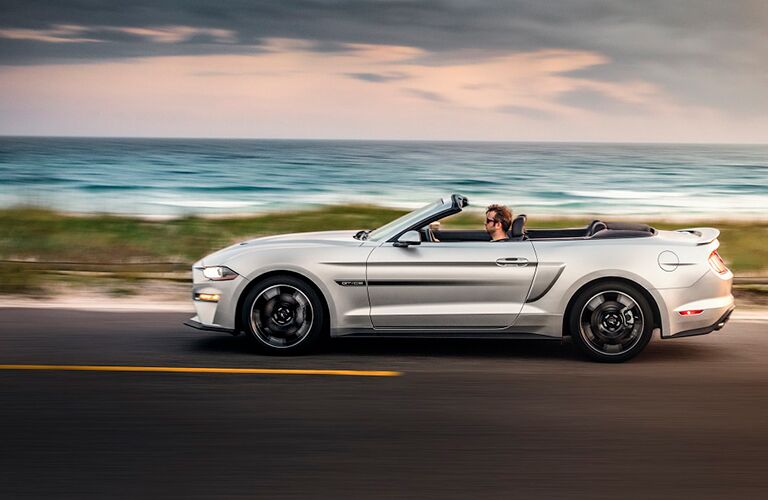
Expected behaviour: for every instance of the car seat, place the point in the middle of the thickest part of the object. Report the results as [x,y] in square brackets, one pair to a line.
[517,231]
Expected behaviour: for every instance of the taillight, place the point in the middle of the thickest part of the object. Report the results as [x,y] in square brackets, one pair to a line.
[716,263]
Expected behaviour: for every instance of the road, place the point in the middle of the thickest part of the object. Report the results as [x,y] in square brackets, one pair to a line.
[485,419]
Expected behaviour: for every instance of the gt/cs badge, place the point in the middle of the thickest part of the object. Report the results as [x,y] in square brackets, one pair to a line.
[351,282]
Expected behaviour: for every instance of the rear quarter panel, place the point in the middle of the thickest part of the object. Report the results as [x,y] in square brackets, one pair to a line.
[634,259]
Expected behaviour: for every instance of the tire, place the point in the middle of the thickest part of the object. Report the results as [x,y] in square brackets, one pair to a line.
[283,315]
[611,322]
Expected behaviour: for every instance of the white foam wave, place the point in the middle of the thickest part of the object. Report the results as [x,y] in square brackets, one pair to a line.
[625,194]
[207,203]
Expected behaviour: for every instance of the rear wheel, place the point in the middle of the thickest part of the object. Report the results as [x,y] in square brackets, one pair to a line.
[283,315]
[611,322]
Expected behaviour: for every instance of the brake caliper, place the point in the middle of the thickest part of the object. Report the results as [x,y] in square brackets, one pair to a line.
[628,317]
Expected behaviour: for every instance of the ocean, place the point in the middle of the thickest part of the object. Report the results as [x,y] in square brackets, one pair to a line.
[177,177]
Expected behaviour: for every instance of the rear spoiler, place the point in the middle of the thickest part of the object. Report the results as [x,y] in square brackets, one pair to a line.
[705,235]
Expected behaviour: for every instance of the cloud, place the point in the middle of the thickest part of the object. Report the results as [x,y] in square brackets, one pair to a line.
[598,102]
[55,34]
[378,77]
[427,95]
[537,114]
[160,34]
[175,34]
[705,53]
[284,91]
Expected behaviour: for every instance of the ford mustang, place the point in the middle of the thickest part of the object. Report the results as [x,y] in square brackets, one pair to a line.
[609,286]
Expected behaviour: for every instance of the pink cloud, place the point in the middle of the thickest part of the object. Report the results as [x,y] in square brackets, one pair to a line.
[174,34]
[73,33]
[290,90]
[56,34]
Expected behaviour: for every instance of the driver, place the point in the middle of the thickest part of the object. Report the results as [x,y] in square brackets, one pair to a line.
[498,220]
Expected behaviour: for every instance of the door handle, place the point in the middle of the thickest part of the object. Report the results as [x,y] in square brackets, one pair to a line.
[512,261]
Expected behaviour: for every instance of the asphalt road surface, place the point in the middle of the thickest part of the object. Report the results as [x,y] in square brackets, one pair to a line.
[688,418]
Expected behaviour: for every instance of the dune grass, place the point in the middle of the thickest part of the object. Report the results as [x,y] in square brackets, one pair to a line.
[50,236]
[43,235]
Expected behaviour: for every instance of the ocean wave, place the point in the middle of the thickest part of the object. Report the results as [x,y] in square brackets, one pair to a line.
[36,180]
[232,188]
[207,176]
[623,194]
[208,203]
[114,187]
[471,183]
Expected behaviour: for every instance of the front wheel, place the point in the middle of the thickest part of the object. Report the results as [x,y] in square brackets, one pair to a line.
[611,322]
[283,315]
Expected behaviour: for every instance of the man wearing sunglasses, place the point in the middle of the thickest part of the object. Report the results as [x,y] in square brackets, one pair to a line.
[498,220]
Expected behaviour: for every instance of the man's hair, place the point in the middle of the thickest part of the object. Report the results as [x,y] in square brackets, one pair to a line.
[502,214]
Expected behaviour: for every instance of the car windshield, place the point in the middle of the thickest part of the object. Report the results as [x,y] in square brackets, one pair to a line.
[405,220]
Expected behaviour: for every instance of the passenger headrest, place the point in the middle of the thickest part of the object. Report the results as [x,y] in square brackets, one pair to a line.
[596,226]
[517,231]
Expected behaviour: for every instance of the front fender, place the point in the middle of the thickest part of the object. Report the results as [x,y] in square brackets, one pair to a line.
[301,271]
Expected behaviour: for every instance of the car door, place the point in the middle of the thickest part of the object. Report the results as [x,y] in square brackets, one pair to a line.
[449,285]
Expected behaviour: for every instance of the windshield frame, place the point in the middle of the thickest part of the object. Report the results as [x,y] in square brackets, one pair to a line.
[410,219]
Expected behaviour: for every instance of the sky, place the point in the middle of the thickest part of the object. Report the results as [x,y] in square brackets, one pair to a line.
[517,70]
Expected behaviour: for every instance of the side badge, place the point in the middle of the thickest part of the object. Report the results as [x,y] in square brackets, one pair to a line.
[351,282]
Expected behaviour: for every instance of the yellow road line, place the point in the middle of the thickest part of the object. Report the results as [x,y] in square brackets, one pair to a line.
[184,369]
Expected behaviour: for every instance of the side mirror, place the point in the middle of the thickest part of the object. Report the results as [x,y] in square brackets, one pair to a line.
[408,238]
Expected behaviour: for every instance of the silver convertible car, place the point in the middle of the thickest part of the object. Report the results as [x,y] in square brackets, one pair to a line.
[608,286]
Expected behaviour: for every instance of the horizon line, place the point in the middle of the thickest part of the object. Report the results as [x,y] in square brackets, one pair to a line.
[326,139]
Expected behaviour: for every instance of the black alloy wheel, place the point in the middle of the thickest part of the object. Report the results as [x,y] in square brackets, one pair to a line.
[611,322]
[283,315]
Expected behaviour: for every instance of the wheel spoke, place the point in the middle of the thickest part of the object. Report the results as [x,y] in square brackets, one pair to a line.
[587,328]
[592,304]
[268,308]
[623,299]
[612,348]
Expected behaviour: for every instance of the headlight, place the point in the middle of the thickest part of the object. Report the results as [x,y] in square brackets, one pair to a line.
[219,273]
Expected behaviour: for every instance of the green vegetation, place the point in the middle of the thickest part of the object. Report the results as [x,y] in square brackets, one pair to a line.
[29,233]
[33,234]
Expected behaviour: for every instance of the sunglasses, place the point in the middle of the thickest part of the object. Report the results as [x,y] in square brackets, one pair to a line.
[492,221]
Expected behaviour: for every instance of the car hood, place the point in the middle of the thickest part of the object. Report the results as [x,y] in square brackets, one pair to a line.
[295,240]
[317,237]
